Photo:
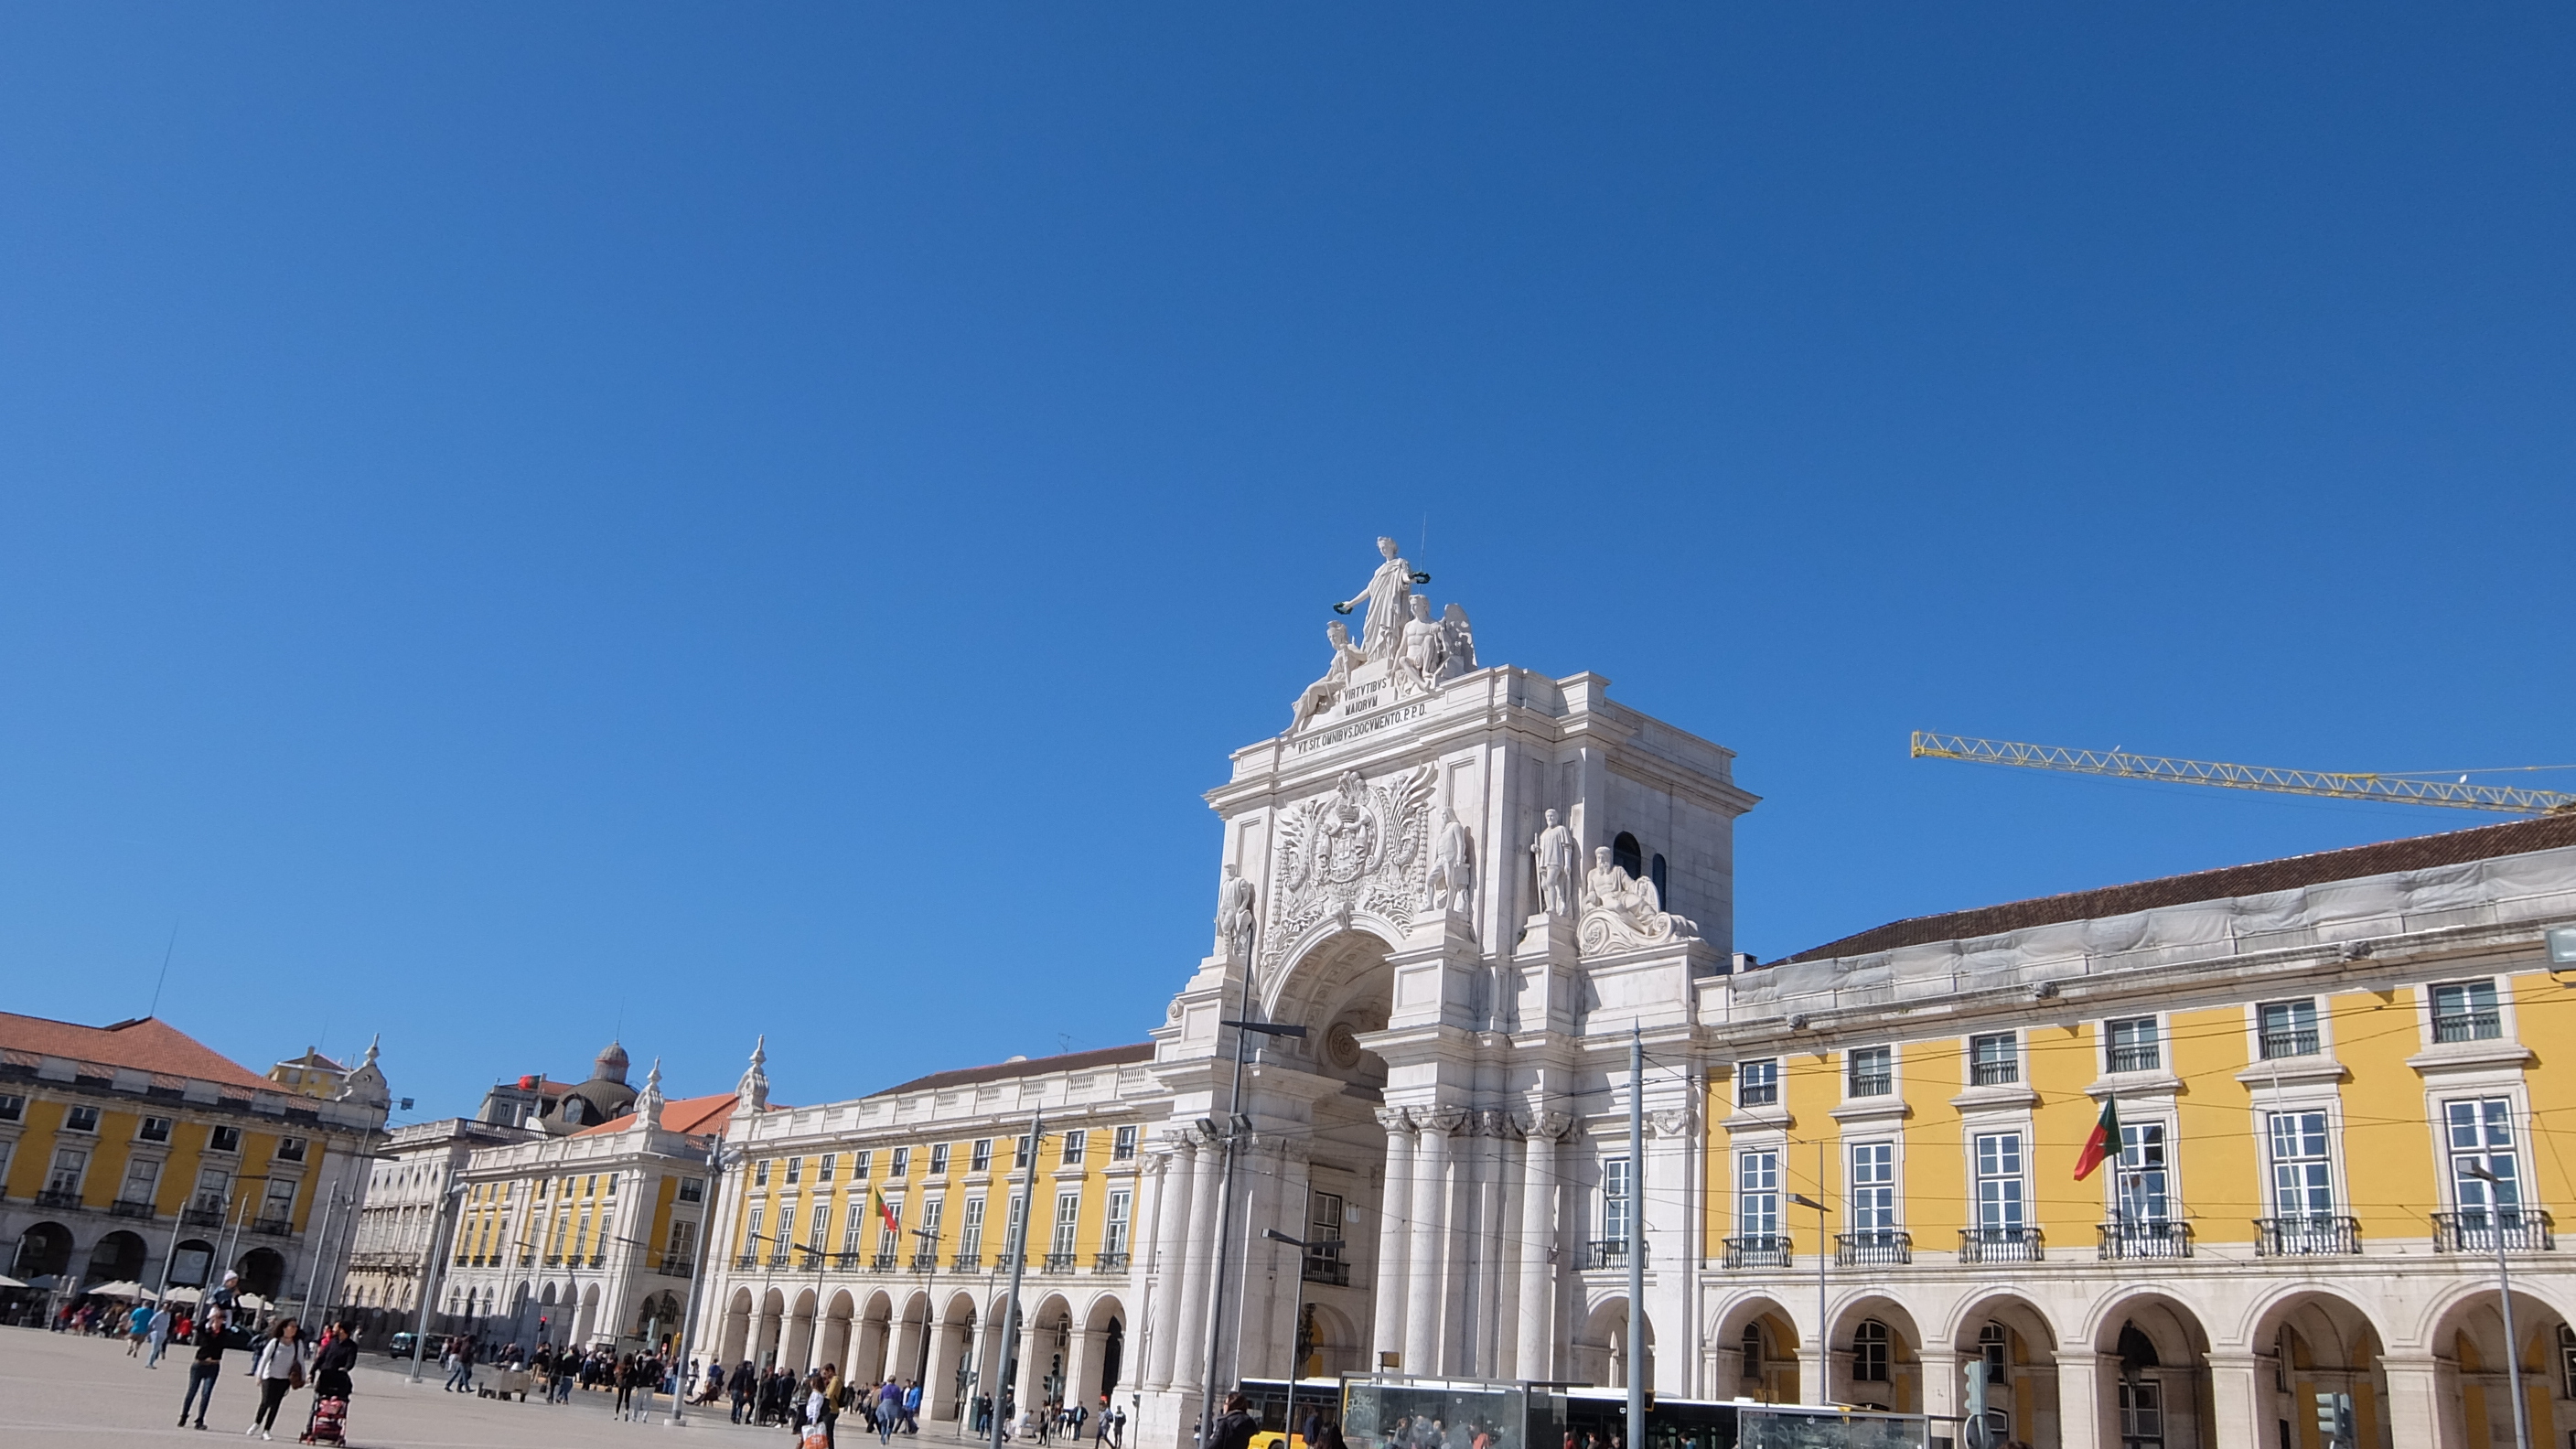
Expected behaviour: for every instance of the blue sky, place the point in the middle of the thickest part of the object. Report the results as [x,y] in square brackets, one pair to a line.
[518,525]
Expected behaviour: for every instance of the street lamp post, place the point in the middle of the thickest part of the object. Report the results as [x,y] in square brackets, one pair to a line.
[433,1272]
[1235,1129]
[1019,1262]
[697,1273]
[2504,1287]
[1296,1317]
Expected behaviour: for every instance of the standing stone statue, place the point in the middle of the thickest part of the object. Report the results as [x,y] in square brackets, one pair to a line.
[1453,868]
[1458,642]
[1557,855]
[1382,632]
[1234,916]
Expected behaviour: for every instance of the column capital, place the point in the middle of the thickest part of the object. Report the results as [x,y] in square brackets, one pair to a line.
[1440,1121]
[1543,1124]
[1394,1119]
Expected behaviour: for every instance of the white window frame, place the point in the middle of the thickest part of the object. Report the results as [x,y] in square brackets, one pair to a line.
[1757,1073]
[2163,1044]
[2129,1160]
[1875,1207]
[1758,1194]
[1617,1181]
[2009,1177]
[1114,1223]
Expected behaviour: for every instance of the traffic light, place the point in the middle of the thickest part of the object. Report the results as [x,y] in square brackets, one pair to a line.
[1973,1411]
[2334,1420]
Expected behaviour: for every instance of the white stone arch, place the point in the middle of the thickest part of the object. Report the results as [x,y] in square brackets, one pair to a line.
[798,1351]
[589,1319]
[835,1347]
[2261,1320]
[1600,1349]
[734,1339]
[2027,1391]
[1775,1379]
[1903,1388]
[2531,1291]
[948,1355]
[2177,1338]
[765,1335]
[868,1361]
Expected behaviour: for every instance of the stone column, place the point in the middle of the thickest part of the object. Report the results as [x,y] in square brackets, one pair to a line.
[2084,1380]
[1171,1240]
[1940,1366]
[1189,1354]
[1427,1267]
[1493,1231]
[1534,1355]
[1028,1396]
[2239,1390]
[2415,1400]
[1082,1368]
[1394,1223]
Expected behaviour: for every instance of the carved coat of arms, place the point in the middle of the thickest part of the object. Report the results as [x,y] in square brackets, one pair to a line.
[1360,847]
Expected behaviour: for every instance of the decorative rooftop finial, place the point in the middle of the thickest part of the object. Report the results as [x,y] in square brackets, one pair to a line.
[371,1049]
[648,1106]
[753,1090]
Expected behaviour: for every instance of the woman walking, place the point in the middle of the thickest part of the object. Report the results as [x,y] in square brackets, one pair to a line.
[279,1367]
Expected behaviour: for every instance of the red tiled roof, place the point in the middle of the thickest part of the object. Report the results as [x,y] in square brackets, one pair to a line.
[145,1044]
[2421,852]
[695,1116]
[1117,1056]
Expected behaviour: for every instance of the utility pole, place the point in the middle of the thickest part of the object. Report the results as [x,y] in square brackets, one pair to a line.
[1019,1264]
[698,1271]
[1296,1321]
[320,1243]
[1824,1332]
[2504,1287]
[1236,1127]
[1636,1237]
[433,1271]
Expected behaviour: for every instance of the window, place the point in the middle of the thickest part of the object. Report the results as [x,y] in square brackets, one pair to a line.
[1873,1189]
[142,1174]
[2567,1361]
[970,1229]
[1999,1183]
[278,1204]
[1757,1194]
[1994,1345]
[1122,1145]
[611,1180]
[1662,877]
[1993,1060]
[859,1166]
[1614,1200]
[154,1129]
[1020,1155]
[980,1159]
[1073,1145]
[939,1160]
[1869,1071]
[1326,1224]
[69,1164]
[290,1149]
[927,1246]
[693,1189]
[2139,1186]
[1113,1228]
[2302,1173]
[902,1164]
[1068,1215]
[2481,1134]
[2466,1011]
[1869,1352]
[214,1189]
[886,1240]
[1757,1084]
[2134,1045]
[795,1170]
[2289,1028]
[751,1234]
[759,1174]
[1752,1351]
[1011,1226]
[12,1108]
[81,1119]
[852,1225]
[1627,854]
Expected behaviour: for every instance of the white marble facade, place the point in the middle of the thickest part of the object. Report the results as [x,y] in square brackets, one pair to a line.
[1466,882]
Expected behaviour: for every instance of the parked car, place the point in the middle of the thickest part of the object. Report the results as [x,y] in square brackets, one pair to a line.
[399,1346]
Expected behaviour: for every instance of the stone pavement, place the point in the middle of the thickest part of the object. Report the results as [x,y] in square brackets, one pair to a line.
[60,1390]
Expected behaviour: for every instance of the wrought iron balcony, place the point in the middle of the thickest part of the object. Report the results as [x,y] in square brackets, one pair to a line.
[197,1217]
[274,1227]
[599,1260]
[926,1261]
[1758,1250]
[2292,1043]
[2019,1243]
[1061,1262]
[2145,1057]
[674,1265]
[848,1262]
[2312,1235]
[1112,1263]
[2469,1026]
[1607,1253]
[55,1197]
[2516,1230]
[123,1209]
[778,1258]
[967,1262]
[1326,1266]
[1865,1249]
[1001,1262]
[748,1260]
[883,1262]
[2002,1073]
[2144,1238]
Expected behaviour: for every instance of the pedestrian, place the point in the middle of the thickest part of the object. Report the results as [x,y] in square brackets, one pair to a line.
[828,1379]
[279,1367]
[814,1410]
[889,1410]
[741,1384]
[461,1356]
[209,1365]
[1236,1429]
[159,1334]
[138,1326]
[911,1407]
[332,1360]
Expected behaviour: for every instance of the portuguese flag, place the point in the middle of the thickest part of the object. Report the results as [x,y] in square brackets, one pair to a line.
[2105,1141]
[885,1214]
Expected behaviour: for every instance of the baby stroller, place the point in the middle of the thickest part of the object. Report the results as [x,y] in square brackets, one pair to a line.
[330,1421]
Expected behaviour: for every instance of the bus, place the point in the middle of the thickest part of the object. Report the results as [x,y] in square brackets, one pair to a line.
[1389,1411]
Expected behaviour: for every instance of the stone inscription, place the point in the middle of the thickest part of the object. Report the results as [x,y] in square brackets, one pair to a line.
[1344,733]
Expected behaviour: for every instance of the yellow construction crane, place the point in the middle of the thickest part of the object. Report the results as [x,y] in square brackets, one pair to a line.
[2406,789]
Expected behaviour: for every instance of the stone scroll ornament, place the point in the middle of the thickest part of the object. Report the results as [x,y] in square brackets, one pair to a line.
[1621,910]
[1359,847]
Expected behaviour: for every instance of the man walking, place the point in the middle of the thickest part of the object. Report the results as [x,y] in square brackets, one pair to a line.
[208,1365]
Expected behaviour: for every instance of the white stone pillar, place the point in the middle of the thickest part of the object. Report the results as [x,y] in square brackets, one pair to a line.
[1028,1395]
[2084,1381]
[1394,1223]
[1493,1232]
[1189,1361]
[2414,1402]
[1940,1367]
[1535,1356]
[2238,1391]
[1171,1251]
[1427,1266]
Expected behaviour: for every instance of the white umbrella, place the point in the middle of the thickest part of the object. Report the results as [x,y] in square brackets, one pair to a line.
[122,1288]
[253,1302]
[7,1282]
[182,1295]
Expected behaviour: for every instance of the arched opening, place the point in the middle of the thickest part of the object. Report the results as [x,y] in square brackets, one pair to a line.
[1755,1346]
[868,1363]
[2311,1343]
[587,1324]
[118,1257]
[1878,1358]
[765,1334]
[191,1263]
[2158,1393]
[799,1350]
[657,1318]
[1662,878]
[836,1334]
[1600,1351]
[1098,1351]
[262,1269]
[2018,1347]
[1627,854]
[735,1339]
[45,1248]
[2468,1345]
[952,1359]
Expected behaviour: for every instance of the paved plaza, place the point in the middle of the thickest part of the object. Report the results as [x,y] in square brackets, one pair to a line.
[60,1390]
